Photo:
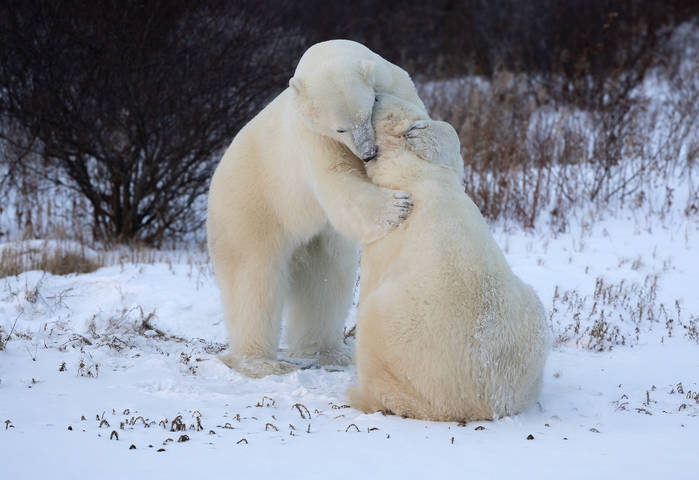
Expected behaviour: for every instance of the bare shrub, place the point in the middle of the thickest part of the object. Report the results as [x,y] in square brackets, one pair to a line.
[492,122]
[134,103]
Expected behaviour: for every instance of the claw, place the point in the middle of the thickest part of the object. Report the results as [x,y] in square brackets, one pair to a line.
[419,125]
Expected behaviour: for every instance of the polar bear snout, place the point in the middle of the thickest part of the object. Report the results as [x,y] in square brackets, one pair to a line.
[364,140]
[371,155]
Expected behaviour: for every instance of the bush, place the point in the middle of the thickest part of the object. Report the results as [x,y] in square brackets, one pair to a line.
[530,150]
[130,104]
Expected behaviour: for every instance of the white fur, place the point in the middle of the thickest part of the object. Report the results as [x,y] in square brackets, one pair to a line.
[288,202]
[445,330]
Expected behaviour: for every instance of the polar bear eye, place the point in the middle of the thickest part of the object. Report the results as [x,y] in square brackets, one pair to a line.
[341,130]
[376,99]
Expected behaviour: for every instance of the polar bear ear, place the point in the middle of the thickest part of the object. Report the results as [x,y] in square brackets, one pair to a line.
[366,70]
[297,84]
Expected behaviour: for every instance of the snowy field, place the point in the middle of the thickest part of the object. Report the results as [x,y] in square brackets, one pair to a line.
[114,374]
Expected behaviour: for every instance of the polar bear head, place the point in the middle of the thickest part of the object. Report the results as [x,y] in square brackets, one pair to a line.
[408,141]
[336,100]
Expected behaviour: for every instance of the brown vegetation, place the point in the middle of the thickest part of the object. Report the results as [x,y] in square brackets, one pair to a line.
[528,153]
[55,258]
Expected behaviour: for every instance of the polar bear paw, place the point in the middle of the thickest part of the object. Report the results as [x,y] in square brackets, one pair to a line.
[339,356]
[402,206]
[423,141]
[394,209]
[381,212]
[414,129]
[256,367]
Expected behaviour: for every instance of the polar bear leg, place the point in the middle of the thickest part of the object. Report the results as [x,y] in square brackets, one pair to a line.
[252,291]
[361,399]
[321,283]
[384,362]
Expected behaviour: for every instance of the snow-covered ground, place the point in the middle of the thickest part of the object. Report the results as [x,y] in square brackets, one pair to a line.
[114,374]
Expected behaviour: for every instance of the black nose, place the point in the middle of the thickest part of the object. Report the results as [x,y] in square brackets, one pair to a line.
[372,155]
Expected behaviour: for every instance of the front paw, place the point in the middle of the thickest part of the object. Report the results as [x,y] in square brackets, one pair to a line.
[422,141]
[414,130]
[399,208]
[382,213]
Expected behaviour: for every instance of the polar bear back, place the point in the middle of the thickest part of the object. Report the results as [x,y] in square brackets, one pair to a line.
[454,319]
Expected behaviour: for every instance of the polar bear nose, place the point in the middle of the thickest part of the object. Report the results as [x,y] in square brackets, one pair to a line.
[371,154]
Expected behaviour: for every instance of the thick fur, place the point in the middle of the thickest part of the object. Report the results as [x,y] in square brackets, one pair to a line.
[289,201]
[445,330]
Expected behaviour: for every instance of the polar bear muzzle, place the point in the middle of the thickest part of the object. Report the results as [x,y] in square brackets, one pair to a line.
[371,155]
[365,141]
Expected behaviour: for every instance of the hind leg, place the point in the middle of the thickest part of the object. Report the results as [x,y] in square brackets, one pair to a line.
[321,283]
[252,283]
[361,399]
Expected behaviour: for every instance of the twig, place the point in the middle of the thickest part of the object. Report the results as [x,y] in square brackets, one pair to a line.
[298,407]
[7,338]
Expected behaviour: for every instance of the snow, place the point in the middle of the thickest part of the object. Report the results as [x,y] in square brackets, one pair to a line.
[137,343]
[133,346]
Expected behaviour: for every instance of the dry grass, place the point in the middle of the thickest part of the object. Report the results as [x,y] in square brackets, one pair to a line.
[57,258]
[64,257]
[617,313]
[88,368]
[120,330]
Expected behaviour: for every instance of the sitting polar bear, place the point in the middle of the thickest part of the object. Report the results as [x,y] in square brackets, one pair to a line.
[289,201]
[445,330]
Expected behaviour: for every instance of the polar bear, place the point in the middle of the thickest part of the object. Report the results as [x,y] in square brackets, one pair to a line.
[290,200]
[445,330]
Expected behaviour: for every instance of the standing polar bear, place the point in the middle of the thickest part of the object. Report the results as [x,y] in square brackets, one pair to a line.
[445,330]
[289,201]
